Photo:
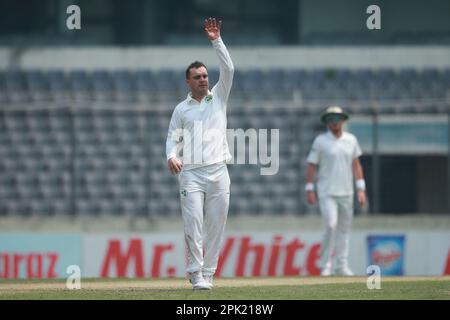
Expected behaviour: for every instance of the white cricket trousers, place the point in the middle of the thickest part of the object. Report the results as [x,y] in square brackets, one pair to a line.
[336,236]
[205,198]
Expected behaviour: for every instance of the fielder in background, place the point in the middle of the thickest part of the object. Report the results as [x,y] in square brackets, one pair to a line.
[198,128]
[335,157]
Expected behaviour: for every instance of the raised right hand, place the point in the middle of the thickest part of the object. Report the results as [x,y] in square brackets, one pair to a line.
[212,28]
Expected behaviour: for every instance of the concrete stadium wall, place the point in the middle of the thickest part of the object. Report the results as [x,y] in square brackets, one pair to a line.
[178,58]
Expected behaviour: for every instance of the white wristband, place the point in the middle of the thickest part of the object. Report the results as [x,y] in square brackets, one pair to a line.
[361,184]
[309,186]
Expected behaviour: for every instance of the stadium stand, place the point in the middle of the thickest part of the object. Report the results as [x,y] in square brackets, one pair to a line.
[94,142]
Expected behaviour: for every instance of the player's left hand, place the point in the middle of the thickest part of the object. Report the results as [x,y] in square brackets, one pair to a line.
[362,198]
[212,28]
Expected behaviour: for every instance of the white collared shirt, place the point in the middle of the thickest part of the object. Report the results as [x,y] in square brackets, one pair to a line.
[197,131]
[334,157]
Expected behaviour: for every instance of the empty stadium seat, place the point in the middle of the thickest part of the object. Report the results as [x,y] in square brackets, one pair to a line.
[78,155]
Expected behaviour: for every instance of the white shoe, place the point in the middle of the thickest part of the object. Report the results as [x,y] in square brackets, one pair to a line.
[209,279]
[198,283]
[326,272]
[344,272]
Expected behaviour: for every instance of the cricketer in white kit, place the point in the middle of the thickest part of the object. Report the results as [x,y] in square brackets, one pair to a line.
[335,157]
[197,150]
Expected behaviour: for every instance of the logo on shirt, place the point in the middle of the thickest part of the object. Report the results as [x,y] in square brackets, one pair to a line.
[208,98]
[183,192]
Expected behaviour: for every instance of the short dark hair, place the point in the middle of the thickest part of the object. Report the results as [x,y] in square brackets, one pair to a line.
[196,65]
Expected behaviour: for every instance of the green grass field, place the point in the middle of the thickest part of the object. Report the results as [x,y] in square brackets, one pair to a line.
[392,288]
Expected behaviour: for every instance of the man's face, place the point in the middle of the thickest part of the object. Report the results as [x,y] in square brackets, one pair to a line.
[334,123]
[335,126]
[198,81]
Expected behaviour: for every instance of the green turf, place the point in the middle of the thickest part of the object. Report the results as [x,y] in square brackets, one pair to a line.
[390,291]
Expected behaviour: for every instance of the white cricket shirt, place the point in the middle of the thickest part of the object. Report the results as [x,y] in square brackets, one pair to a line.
[333,157]
[198,130]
